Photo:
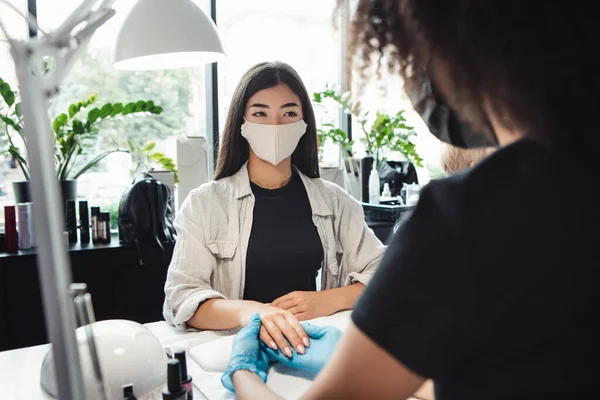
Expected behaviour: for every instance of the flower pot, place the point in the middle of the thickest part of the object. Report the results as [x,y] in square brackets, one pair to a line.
[22,190]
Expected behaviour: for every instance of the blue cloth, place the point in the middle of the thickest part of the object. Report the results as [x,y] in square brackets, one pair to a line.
[247,354]
[323,341]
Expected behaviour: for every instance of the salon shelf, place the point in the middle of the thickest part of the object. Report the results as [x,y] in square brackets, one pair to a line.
[75,247]
[121,288]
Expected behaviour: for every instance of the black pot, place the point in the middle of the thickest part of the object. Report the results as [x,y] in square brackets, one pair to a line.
[22,190]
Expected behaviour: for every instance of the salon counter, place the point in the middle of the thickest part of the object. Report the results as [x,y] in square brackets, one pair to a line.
[119,285]
[20,369]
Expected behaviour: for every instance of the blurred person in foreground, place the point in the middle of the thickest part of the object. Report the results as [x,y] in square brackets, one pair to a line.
[491,296]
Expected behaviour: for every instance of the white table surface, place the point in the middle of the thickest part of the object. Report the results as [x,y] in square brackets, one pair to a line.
[20,368]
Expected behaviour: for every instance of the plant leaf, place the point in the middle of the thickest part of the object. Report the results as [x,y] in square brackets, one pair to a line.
[62,119]
[157,156]
[78,127]
[92,99]
[73,110]
[7,93]
[106,110]
[140,106]
[156,110]
[117,109]
[149,146]
[128,109]
[12,123]
[93,115]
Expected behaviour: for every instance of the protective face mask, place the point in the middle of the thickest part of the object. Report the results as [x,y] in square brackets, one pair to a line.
[273,143]
[441,120]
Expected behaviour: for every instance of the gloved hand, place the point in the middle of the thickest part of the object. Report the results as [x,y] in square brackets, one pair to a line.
[247,354]
[323,341]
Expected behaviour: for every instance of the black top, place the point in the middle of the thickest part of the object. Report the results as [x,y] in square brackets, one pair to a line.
[490,287]
[284,252]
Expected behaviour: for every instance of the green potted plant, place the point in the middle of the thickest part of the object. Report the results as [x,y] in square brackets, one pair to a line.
[161,167]
[146,159]
[386,135]
[74,135]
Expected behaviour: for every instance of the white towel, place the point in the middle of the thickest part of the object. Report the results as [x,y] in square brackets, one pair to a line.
[207,362]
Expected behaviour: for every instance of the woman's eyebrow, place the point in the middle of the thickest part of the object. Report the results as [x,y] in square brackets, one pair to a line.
[260,105]
[288,105]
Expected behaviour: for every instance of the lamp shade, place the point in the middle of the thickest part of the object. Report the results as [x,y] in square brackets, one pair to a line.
[166,34]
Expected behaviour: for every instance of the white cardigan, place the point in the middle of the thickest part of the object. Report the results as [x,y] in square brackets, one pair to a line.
[213,230]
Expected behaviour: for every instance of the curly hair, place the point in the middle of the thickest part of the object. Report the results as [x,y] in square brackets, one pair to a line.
[536,61]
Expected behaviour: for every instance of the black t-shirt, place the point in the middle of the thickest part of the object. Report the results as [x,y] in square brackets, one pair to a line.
[490,287]
[284,252]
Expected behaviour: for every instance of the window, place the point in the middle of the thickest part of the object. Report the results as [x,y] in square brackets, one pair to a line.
[386,95]
[300,34]
[180,93]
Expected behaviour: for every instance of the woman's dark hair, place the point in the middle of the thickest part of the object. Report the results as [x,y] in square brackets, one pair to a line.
[536,61]
[233,152]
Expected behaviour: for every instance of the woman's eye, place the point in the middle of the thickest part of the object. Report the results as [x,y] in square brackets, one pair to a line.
[259,114]
[290,114]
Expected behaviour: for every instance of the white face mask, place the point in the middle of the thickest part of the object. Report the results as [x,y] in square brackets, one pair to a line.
[273,143]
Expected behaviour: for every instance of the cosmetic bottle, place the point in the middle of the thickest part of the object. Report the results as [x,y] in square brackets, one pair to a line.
[71,221]
[174,390]
[366,165]
[84,222]
[95,212]
[105,230]
[23,226]
[31,226]
[186,380]
[11,241]
[374,186]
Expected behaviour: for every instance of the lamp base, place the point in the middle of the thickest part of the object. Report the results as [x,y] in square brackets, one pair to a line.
[129,353]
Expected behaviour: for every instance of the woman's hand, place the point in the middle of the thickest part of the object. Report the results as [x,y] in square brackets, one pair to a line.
[280,329]
[324,341]
[308,305]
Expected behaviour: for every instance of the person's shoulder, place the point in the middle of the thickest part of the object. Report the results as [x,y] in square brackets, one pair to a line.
[220,190]
[332,193]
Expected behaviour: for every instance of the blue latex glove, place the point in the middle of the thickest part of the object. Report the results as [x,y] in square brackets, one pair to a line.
[246,354]
[323,340]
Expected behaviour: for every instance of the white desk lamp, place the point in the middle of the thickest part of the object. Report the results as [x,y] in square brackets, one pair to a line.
[157,34]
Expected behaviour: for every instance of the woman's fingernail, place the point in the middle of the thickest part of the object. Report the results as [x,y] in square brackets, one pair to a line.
[306,342]
[287,351]
[300,349]
[273,345]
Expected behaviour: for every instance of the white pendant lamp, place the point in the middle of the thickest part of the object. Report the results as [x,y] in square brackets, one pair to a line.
[166,34]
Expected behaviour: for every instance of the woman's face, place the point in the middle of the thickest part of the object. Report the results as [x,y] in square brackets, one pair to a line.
[277,105]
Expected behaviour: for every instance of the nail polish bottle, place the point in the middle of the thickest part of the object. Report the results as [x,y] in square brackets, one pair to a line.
[174,390]
[186,380]
[11,240]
